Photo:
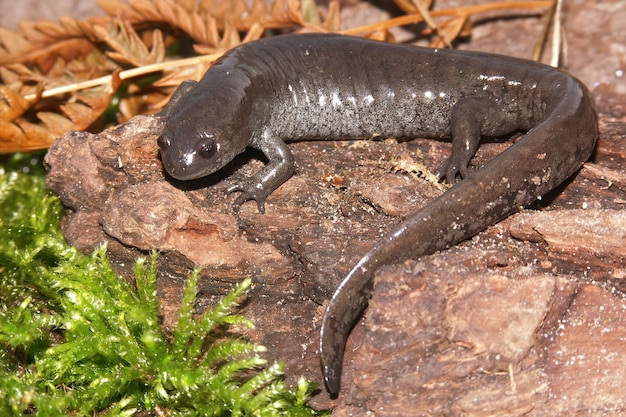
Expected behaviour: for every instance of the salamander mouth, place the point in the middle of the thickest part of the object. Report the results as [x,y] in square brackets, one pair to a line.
[185,166]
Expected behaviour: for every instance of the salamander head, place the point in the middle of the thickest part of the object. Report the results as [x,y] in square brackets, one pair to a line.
[189,153]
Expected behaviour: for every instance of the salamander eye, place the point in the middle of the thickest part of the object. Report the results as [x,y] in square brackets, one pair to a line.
[208,149]
[164,142]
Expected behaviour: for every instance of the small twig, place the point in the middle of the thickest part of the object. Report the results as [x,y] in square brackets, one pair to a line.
[432,24]
[124,75]
[553,20]
[466,10]
[557,40]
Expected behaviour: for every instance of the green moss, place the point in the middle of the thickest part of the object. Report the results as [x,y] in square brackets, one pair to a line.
[76,339]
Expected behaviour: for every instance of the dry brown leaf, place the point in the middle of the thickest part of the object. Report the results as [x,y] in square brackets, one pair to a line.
[230,38]
[86,106]
[34,136]
[310,13]
[12,139]
[255,32]
[12,105]
[188,72]
[450,29]
[56,124]
[141,101]
[67,27]
[381,35]
[11,44]
[128,47]
[333,19]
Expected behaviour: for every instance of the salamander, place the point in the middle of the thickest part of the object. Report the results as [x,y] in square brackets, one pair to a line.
[329,87]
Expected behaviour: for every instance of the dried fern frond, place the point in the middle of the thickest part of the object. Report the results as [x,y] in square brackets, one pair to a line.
[195,17]
[42,43]
[19,133]
[128,47]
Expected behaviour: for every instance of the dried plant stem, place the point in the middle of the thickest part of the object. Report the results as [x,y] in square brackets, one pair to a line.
[459,11]
[127,74]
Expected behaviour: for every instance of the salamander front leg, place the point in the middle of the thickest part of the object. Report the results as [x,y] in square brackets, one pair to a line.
[279,168]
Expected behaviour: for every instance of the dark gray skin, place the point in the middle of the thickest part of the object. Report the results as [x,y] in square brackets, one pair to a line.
[327,87]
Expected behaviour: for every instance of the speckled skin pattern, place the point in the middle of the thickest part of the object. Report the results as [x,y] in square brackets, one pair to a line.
[324,87]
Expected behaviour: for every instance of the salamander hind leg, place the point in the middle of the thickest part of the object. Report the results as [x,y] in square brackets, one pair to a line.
[466,126]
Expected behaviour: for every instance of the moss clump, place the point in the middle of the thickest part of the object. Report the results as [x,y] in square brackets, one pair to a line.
[76,339]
